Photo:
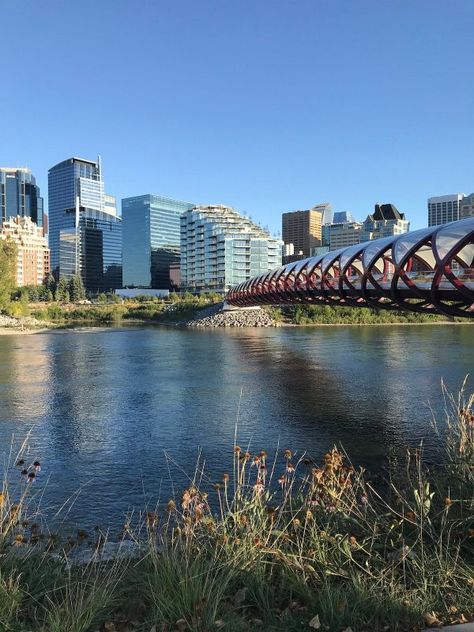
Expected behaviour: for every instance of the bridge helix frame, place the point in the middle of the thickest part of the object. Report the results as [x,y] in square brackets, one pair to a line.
[429,270]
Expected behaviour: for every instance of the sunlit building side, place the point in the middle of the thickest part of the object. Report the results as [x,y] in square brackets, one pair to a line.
[220,248]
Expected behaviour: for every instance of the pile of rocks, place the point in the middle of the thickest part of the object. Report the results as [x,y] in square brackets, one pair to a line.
[216,317]
[20,323]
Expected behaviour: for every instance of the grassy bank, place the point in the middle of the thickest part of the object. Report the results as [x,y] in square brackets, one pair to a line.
[171,312]
[336,315]
[279,543]
[154,311]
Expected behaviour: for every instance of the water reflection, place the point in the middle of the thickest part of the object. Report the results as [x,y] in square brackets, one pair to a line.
[124,413]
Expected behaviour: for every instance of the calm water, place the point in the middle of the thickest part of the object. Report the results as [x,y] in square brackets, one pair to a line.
[122,415]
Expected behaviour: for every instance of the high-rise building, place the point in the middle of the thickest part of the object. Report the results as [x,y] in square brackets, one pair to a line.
[303,229]
[20,195]
[467,207]
[385,221]
[85,235]
[342,217]
[342,235]
[33,252]
[151,240]
[444,208]
[221,248]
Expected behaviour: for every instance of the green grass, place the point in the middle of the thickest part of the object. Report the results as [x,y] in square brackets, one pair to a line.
[338,315]
[278,543]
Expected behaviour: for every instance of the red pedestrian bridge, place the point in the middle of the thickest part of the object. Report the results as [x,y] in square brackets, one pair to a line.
[429,270]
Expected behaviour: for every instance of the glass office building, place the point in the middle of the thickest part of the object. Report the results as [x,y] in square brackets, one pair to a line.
[151,240]
[220,249]
[85,236]
[20,195]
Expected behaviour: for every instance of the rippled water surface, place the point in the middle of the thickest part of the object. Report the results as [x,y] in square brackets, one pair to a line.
[120,416]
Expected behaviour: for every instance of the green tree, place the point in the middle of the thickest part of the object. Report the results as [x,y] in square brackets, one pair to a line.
[8,264]
[76,288]
[62,291]
[50,283]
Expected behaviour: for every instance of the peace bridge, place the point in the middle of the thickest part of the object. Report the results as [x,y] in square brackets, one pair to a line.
[429,270]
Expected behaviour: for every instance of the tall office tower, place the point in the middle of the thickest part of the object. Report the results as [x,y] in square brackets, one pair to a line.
[342,234]
[467,207]
[151,240]
[342,217]
[303,229]
[32,249]
[20,195]
[220,248]
[85,236]
[385,221]
[444,208]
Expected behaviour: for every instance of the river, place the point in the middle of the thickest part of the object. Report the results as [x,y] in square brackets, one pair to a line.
[120,417]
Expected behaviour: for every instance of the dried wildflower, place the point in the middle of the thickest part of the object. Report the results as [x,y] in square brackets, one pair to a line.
[31,477]
[290,467]
[20,463]
[256,460]
[216,486]
[20,539]
[259,487]
[225,477]
[151,518]
[447,501]
[37,466]
[364,499]
[24,473]
[270,511]
[263,454]
[237,449]
[410,516]
[171,506]
[24,523]
[247,456]
[2,499]
[308,516]
[353,540]
[282,480]
[288,454]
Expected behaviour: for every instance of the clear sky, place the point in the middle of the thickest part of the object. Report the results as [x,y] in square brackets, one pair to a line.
[264,105]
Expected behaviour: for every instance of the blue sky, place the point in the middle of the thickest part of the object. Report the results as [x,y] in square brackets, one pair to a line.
[264,105]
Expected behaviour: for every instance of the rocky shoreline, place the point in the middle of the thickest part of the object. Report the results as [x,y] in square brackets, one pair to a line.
[215,316]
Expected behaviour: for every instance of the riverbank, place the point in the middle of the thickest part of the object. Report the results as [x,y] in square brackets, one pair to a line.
[280,543]
[204,312]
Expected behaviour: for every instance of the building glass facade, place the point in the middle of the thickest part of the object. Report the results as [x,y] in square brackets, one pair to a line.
[220,248]
[85,237]
[151,240]
[20,196]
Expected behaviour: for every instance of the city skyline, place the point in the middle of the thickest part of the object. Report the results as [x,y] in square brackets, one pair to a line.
[255,112]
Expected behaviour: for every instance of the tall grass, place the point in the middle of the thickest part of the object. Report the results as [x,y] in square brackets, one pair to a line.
[277,543]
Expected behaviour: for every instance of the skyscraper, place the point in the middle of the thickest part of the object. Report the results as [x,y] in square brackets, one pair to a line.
[303,229]
[151,240]
[85,236]
[20,195]
[444,208]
